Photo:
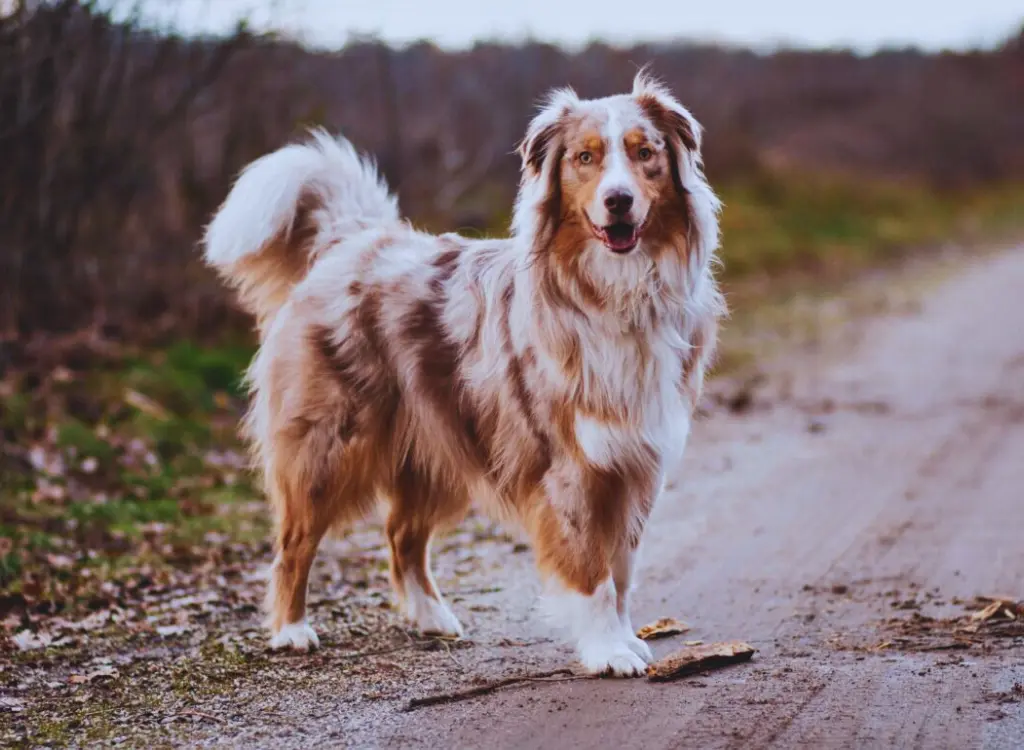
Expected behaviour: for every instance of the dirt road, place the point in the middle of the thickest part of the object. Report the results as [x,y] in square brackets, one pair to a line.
[843,521]
[888,473]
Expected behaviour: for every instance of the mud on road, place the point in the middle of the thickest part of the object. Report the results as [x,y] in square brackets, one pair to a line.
[843,514]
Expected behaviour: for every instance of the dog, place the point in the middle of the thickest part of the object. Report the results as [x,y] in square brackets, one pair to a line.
[549,377]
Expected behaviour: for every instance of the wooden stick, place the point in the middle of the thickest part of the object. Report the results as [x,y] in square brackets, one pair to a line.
[491,687]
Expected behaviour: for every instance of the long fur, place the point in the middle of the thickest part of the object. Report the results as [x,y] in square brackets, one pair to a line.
[265,238]
[544,377]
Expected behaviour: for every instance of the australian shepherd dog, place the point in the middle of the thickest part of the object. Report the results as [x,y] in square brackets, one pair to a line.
[549,377]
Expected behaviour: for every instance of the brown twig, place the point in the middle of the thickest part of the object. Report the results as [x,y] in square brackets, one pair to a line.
[201,715]
[448,649]
[373,652]
[563,675]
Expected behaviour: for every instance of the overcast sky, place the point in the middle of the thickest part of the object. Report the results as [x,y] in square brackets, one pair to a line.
[865,24]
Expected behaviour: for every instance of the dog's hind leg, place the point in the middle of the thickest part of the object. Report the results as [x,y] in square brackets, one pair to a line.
[418,507]
[314,486]
[297,540]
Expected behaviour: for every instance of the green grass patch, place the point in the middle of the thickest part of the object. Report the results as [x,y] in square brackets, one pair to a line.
[132,462]
[187,378]
[123,514]
[821,226]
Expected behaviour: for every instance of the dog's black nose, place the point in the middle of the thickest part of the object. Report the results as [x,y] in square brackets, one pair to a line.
[618,202]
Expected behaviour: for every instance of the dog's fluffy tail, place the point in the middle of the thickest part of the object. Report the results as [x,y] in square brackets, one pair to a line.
[269,230]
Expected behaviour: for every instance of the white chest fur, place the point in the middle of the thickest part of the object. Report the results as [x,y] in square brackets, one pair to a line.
[604,443]
[642,380]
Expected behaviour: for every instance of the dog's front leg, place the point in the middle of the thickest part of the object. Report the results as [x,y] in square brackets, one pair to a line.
[604,646]
[582,541]
[623,568]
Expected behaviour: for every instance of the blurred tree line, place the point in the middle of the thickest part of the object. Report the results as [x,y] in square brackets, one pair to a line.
[117,142]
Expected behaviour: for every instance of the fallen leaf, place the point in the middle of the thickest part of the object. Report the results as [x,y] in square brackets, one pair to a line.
[169,630]
[96,620]
[146,405]
[99,675]
[988,612]
[60,562]
[45,461]
[662,628]
[14,705]
[1003,599]
[695,659]
[26,640]
[998,608]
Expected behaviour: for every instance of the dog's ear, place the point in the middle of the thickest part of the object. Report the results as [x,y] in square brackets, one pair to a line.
[544,134]
[681,131]
[542,151]
[682,134]
[536,146]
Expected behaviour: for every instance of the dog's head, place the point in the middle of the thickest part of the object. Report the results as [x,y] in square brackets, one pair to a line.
[615,178]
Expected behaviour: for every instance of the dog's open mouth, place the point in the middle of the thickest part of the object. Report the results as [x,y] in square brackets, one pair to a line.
[620,237]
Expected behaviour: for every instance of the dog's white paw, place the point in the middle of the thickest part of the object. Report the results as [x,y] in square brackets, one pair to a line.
[429,614]
[614,657]
[298,636]
[433,617]
[639,647]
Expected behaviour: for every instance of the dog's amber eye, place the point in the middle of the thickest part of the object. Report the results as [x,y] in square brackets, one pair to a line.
[586,157]
[645,153]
